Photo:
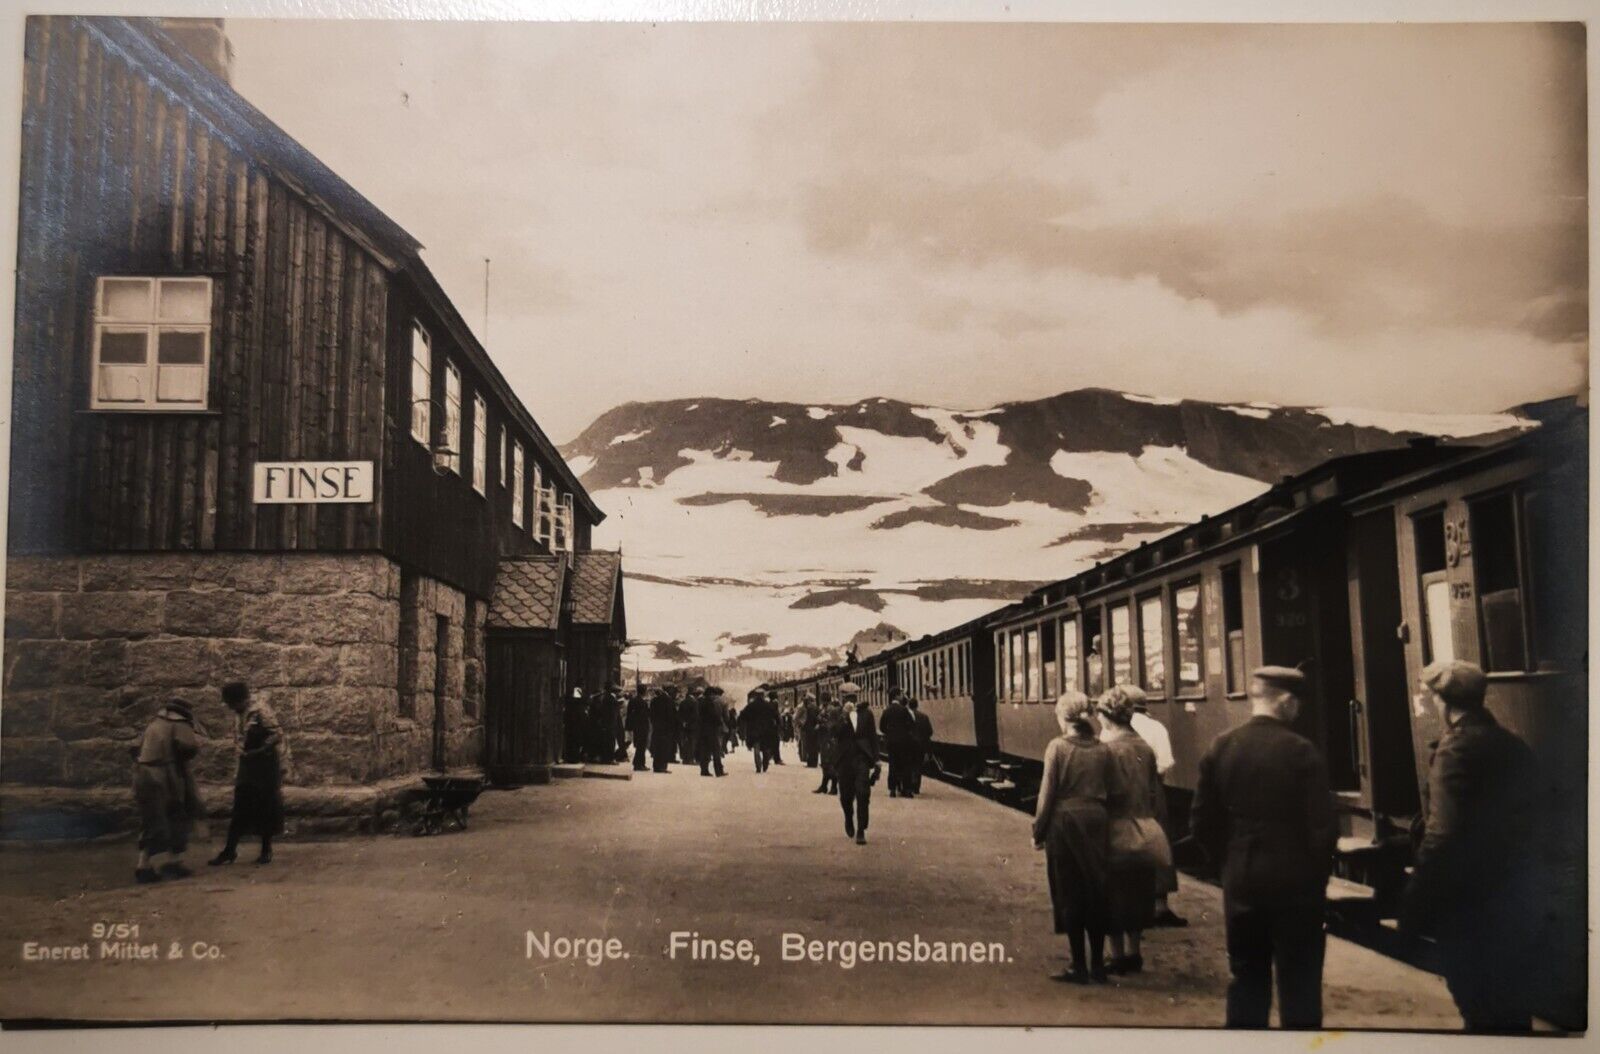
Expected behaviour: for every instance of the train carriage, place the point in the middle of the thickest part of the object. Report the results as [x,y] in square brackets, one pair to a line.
[951,675]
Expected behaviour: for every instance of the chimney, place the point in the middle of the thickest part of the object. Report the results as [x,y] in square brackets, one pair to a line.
[205,40]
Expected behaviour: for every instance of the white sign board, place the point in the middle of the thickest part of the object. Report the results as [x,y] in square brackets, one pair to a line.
[312,482]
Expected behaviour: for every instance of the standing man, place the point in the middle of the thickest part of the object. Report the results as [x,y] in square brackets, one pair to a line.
[638,726]
[923,737]
[574,727]
[777,728]
[258,786]
[688,721]
[1155,734]
[1263,810]
[809,716]
[760,728]
[708,716]
[663,727]
[164,791]
[857,763]
[1471,886]
[898,729]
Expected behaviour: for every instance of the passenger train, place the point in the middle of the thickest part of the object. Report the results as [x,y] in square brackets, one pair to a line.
[1360,572]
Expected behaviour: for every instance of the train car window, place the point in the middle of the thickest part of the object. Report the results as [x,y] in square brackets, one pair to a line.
[1070,677]
[1095,661]
[1187,627]
[1496,564]
[1233,628]
[1558,602]
[1016,690]
[1049,640]
[1121,645]
[1153,645]
[1030,663]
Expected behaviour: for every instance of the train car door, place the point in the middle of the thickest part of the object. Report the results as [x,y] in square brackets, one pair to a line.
[1380,727]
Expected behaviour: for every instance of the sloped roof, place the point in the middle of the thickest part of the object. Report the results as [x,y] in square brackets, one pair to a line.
[527,593]
[594,586]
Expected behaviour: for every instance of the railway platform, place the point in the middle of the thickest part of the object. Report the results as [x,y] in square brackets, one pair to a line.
[626,901]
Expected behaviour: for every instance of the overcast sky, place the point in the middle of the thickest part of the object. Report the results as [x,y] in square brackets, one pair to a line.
[962,214]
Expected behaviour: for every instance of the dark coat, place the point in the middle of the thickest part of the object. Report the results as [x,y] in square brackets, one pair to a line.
[638,719]
[924,730]
[760,719]
[663,725]
[898,726]
[858,749]
[1479,818]
[709,721]
[1263,810]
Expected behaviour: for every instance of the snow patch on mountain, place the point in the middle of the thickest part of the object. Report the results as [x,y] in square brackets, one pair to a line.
[1455,426]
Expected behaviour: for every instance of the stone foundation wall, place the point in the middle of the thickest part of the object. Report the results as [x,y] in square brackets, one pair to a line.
[95,644]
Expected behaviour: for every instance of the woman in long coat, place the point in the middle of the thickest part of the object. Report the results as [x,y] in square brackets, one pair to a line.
[258,786]
[1072,826]
[1140,854]
[165,792]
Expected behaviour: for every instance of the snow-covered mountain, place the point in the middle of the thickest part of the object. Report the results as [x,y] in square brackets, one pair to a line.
[773,533]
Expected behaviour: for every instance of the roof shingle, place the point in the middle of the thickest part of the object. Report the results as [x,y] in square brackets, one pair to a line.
[527,593]
[594,586]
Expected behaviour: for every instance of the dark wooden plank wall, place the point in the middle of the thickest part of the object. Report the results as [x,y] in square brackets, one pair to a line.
[119,176]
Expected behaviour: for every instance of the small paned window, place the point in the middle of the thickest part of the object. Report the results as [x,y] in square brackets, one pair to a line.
[152,343]
[480,445]
[421,386]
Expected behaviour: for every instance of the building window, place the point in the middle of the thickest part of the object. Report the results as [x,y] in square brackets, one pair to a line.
[421,386]
[480,445]
[1189,638]
[505,457]
[563,527]
[1233,628]
[1069,656]
[152,343]
[452,418]
[516,483]
[544,512]
[1153,645]
[1121,645]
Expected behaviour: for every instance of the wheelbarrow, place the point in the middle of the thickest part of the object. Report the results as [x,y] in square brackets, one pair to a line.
[444,802]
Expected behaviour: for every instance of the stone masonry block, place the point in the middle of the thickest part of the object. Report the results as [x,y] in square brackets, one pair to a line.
[373,665]
[26,713]
[170,662]
[42,574]
[45,663]
[209,613]
[310,664]
[32,615]
[107,616]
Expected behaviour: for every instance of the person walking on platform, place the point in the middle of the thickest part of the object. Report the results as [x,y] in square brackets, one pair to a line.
[164,791]
[923,743]
[1263,811]
[688,722]
[1472,886]
[1072,825]
[638,727]
[857,763]
[809,731]
[708,727]
[258,786]
[1140,855]
[777,729]
[761,728]
[574,727]
[828,718]
[663,728]
[899,739]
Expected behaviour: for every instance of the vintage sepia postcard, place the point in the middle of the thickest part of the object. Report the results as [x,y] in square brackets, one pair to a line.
[1066,524]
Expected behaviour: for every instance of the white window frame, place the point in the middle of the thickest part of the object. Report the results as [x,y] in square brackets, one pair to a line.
[451,454]
[421,378]
[563,524]
[480,444]
[516,483]
[534,522]
[150,323]
[505,457]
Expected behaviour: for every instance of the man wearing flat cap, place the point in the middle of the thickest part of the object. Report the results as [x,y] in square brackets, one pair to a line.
[1263,810]
[708,730]
[1471,887]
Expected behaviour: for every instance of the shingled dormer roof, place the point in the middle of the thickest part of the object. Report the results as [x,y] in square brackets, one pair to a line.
[527,593]
[596,576]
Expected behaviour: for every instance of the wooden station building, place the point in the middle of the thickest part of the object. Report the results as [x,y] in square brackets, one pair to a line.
[253,439]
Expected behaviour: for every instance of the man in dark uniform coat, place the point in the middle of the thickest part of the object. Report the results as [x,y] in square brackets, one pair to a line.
[923,742]
[708,729]
[688,721]
[1263,810]
[638,726]
[898,729]
[777,729]
[761,728]
[809,721]
[857,761]
[1471,886]
[663,727]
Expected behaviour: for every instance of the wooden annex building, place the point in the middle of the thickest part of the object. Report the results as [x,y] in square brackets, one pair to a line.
[253,439]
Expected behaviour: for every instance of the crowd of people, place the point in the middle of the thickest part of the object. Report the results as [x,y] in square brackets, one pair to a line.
[1263,812]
